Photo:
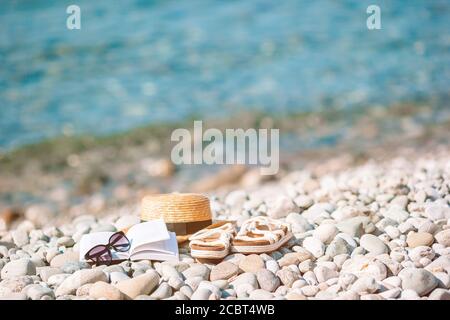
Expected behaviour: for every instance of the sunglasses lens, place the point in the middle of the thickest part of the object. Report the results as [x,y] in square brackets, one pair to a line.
[99,254]
[119,242]
[105,258]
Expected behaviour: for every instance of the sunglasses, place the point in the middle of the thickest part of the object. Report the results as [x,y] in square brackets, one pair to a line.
[101,254]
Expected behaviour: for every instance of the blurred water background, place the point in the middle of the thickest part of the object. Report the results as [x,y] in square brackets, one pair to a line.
[136,62]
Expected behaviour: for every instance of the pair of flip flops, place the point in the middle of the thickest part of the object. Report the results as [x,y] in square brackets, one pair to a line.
[256,235]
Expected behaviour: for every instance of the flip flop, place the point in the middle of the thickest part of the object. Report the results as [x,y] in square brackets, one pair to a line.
[261,234]
[212,242]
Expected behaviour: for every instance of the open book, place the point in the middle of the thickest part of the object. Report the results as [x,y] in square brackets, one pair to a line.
[149,240]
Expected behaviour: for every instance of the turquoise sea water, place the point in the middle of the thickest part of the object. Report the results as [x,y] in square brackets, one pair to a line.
[135,62]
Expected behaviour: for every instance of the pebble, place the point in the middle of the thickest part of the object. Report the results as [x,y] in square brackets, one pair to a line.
[309,291]
[281,291]
[443,237]
[325,295]
[72,266]
[187,291]
[60,260]
[176,282]
[295,296]
[421,252]
[373,244]
[371,297]
[437,212]
[197,270]
[280,206]
[353,227]
[221,284]
[66,242]
[391,294]
[14,296]
[315,246]
[306,266]
[74,281]
[364,266]
[140,285]
[340,259]
[56,279]
[416,239]
[20,237]
[442,263]
[303,201]
[167,271]
[397,214]
[298,222]
[245,278]
[365,285]
[193,282]
[419,280]
[272,265]
[428,227]
[443,279]
[251,263]
[46,272]
[16,284]
[103,290]
[310,278]
[215,290]
[317,212]
[348,295]
[409,294]
[337,247]
[163,291]
[439,294]
[325,233]
[116,277]
[260,294]
[324,273]
[234,258]
[201,294]
[37,292]
[287,277]
[223,271]
[179,296]
[20,267]
[84,290]
[392,282]
[267,280]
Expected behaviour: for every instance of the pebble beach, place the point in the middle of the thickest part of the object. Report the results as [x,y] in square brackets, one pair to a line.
[373,231]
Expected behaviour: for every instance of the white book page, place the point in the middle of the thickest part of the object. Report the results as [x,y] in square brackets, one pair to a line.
[161,250]
[146,233]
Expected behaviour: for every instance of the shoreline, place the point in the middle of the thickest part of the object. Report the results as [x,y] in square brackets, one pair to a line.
[56,149]
[88,173]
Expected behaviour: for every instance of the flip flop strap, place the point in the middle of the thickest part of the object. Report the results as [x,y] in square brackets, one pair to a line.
[223,239]
[228,227]
[270,235]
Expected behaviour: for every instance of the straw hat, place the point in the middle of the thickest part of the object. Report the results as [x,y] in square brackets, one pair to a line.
[184,213]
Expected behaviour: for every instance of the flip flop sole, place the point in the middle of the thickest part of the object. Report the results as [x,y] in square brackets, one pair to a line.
[206,254]
[261,248]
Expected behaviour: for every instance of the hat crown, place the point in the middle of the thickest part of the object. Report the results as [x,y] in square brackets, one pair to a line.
[176,207]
